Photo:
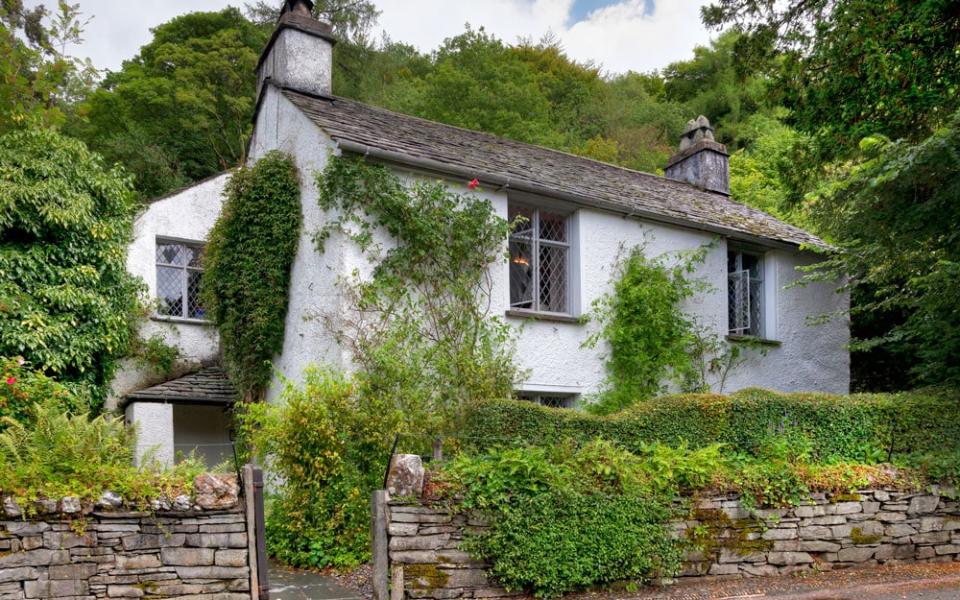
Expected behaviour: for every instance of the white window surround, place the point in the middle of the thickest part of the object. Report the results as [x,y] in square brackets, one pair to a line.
[762,277]
[550,233]
[178,264]
[547,398]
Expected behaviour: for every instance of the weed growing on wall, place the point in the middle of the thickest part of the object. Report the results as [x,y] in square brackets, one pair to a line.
[247,267]
[420,328]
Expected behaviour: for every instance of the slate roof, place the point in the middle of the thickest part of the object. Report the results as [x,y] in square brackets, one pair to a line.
[541,170]
[206,386]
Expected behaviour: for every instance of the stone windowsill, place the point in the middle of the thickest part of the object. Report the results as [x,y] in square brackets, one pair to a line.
[542,316]
[180,320]
[751,339]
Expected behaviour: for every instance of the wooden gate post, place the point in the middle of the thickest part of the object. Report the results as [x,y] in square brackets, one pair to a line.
[256,532]
[380,549]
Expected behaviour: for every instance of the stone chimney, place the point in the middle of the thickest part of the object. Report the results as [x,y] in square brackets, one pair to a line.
[701,160]
[299,54]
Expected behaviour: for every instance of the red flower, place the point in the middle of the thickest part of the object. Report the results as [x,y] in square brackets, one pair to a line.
[473,184]
[11,380]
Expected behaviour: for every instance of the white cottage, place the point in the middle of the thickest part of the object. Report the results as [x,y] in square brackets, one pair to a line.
[584,212]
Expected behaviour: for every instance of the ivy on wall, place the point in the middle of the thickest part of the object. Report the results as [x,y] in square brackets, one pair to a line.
[247,268]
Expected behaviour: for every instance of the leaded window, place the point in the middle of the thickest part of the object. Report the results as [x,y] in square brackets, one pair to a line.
[552,399]
[539,260]
[745,293]
[179,270]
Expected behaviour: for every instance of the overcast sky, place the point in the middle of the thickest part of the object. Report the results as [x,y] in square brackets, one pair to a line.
[620,35]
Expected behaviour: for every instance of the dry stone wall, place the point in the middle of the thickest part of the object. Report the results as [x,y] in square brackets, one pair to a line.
[196,554]
[868,528]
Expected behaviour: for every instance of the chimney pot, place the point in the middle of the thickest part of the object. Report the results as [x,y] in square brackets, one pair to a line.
[700,160]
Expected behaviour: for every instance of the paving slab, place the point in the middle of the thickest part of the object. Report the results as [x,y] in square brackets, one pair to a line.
[297,584]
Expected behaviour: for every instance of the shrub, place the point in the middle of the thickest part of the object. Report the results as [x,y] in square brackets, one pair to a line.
[563,541]
[855,428]
[327,446]
[55,453]
[247,267]
[21,388]
[66,299]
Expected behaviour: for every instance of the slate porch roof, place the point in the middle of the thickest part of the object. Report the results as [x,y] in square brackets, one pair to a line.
[209,385]
[362,128]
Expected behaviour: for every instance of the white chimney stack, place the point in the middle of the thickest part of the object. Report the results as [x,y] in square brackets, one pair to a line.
[299,54]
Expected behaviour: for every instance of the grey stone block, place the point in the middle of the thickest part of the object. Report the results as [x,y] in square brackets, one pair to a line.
[403,528]
[780,534]
[55,589]
[923,504]
[819,546]
[224,528]
[18,574]
[24,528]
[856,554]
[188,557]
[815,532]
[847,508]
[947,549]
[891,517]
[65,540]
[212,572]
[35,558]
[899,530]
[419,542]
[230,558]
[414,557]
[75,571]
[125,591]
[138,561]
[217,540]
[723,569]
[931,537]
[789,558]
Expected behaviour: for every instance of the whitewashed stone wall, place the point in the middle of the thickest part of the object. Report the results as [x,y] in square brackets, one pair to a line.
[868,528]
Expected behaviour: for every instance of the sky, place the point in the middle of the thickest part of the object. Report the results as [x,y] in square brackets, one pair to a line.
[619,35]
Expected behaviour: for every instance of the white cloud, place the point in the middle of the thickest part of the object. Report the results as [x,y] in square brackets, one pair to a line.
[619,37]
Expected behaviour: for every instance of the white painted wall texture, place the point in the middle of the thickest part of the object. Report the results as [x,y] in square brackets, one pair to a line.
[188,215]
[551,354]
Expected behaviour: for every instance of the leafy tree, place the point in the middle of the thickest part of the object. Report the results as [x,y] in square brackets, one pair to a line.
[38,81]
[853,68]
[351,19]
[180,110]
[65,222]
[894,212]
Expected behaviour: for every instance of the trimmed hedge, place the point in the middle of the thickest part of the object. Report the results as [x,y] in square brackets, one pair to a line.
[861,427]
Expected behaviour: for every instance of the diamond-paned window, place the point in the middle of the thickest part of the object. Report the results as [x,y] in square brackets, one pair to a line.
[552,399]
[745,293]
[539,260]
[179,271]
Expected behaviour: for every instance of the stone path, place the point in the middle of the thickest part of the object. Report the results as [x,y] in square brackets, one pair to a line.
[294,584]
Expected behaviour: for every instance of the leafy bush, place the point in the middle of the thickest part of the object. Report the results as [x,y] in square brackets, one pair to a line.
[66,298]
[559,542]
[22,387]
[326,445]
[247,267]
[53,453]
[564,517]
[855,428]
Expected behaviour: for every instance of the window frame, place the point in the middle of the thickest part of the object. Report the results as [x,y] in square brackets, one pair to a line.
[535,242]
[161,240]
[536,396]
[761,332]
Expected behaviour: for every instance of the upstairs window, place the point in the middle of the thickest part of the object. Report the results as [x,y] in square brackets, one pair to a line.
[179,269]
[745,301]
[539,260]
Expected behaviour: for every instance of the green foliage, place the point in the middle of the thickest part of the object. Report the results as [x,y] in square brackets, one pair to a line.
[852,428]
[53,452]
[66,298]
[420,327]
[180,110]
[327,444]
[645,327]
[552,507]
[153,353]
[893,212]
[560,542]
[854,68]
[247,267]
[21,387]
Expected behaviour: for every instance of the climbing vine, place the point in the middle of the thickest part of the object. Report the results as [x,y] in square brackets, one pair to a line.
[247,267]
[420,327]
[652,340]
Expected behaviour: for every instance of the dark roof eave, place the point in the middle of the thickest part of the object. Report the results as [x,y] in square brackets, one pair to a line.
[398,158]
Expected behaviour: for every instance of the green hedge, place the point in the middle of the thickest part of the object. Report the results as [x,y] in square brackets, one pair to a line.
[862,427]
